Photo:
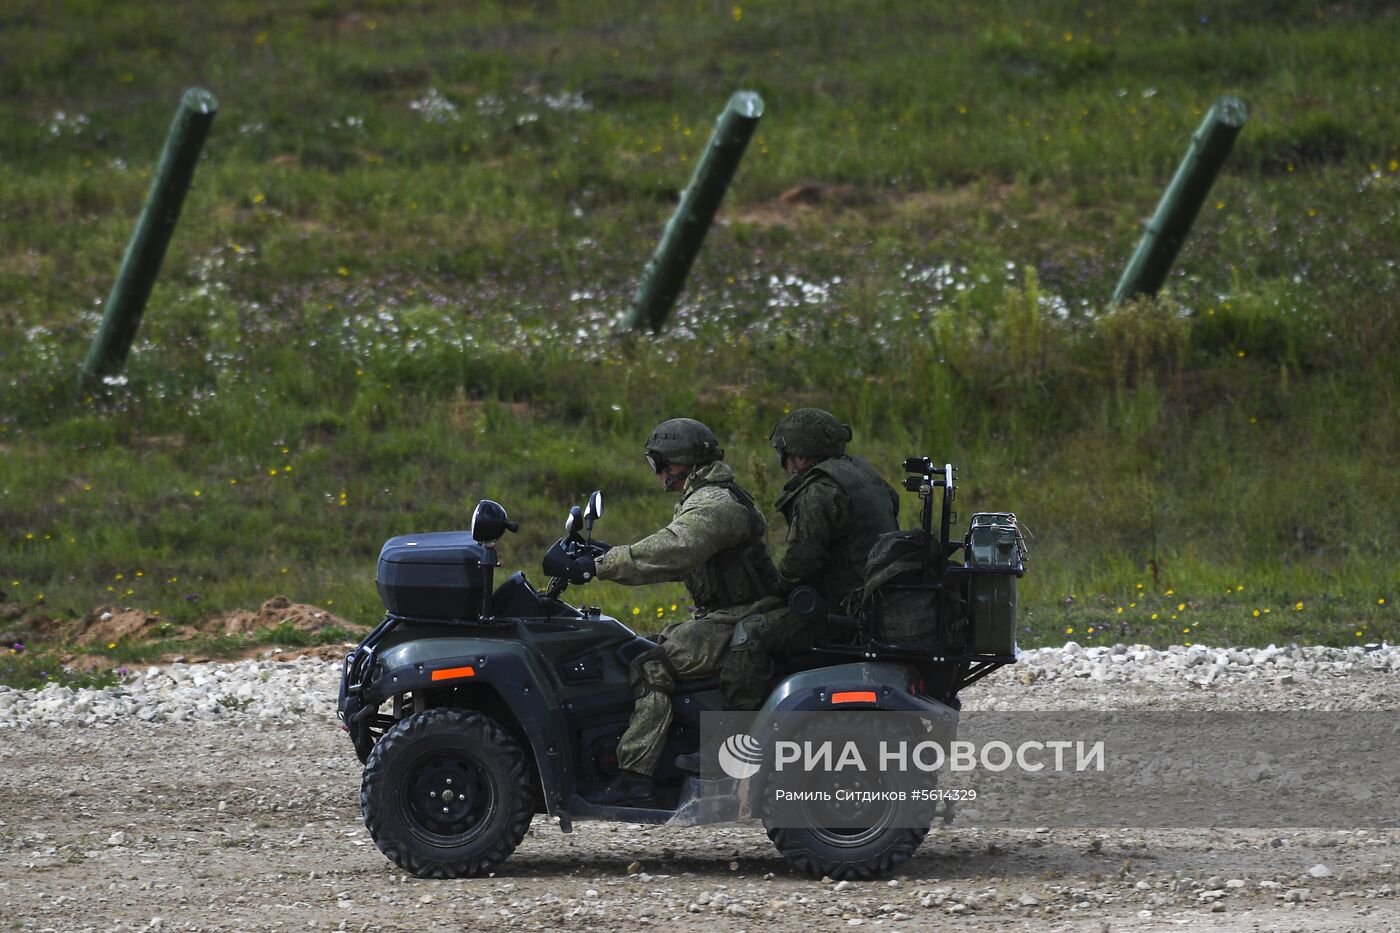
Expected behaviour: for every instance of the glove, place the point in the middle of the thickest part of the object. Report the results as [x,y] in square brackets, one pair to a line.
[564,560]
[582,569]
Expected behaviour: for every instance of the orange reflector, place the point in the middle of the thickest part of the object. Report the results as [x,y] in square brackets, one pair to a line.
[451,673]
[854,696]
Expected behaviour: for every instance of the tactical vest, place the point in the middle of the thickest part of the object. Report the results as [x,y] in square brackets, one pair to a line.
[874,510]
[738,575]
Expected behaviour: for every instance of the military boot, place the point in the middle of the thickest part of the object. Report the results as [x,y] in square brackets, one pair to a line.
[627,789]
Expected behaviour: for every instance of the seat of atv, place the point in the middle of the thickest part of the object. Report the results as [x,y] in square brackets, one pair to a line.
[819,656]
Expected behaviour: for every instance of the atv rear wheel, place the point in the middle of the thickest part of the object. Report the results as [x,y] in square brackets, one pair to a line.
[446,793]
[853,840]
[847,853]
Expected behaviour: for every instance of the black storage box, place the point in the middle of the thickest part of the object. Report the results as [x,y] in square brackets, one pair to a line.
[432,576]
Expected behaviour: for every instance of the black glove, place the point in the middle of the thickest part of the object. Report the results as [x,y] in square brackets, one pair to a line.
[582,569]
[563,559]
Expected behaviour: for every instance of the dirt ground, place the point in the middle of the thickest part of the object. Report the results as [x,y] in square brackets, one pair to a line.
[227,826]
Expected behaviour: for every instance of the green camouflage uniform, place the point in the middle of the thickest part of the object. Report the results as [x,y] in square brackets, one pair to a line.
[835,511]
[715,545]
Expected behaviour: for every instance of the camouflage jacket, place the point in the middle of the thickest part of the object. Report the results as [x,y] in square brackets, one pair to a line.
[835,511]
[714,543]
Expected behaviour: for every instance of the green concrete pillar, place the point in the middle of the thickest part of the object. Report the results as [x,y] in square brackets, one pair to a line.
[665,275]
[1182,201]
[141,265]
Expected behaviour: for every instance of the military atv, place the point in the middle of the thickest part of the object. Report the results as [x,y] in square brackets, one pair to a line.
[474,707]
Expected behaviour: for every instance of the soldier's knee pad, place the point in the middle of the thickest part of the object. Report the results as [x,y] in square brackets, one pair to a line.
[641,690]
[652,672]
[748,633]
[740,639]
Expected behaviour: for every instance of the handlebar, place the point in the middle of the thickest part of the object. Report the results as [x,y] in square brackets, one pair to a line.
[572,546]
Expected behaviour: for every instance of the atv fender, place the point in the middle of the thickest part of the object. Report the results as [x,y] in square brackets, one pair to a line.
[497,676]
[866,685]
[863,685]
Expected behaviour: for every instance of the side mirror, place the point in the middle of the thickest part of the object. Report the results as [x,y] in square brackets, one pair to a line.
[574,522]
[489,522]
[594,510]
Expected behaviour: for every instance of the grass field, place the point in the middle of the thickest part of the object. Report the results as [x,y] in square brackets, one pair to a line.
[395,285]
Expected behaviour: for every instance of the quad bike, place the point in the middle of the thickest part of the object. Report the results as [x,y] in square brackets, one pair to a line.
[475,707]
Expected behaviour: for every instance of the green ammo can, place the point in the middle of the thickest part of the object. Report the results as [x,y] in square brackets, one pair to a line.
[995,558]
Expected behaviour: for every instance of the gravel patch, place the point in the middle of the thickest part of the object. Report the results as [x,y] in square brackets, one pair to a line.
[225,797]
[264,691]
[291,692]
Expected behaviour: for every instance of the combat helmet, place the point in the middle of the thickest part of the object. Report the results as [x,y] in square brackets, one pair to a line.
[810,432]
[684,441]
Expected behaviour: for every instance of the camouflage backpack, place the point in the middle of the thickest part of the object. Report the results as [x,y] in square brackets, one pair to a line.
[902,602]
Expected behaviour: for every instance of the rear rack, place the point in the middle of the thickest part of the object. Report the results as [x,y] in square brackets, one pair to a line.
[969,667]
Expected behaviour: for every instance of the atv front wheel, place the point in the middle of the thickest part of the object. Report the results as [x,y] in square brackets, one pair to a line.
[446,793]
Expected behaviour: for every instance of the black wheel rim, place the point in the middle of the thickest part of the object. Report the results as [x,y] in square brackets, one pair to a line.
[877,815]
[449,799]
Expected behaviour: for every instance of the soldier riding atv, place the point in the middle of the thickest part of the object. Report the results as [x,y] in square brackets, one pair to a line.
[475,707]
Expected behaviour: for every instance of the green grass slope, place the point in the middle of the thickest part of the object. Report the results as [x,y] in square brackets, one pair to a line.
[394,286]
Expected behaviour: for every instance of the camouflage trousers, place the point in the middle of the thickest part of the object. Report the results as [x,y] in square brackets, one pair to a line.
[758,641]
[691,649]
